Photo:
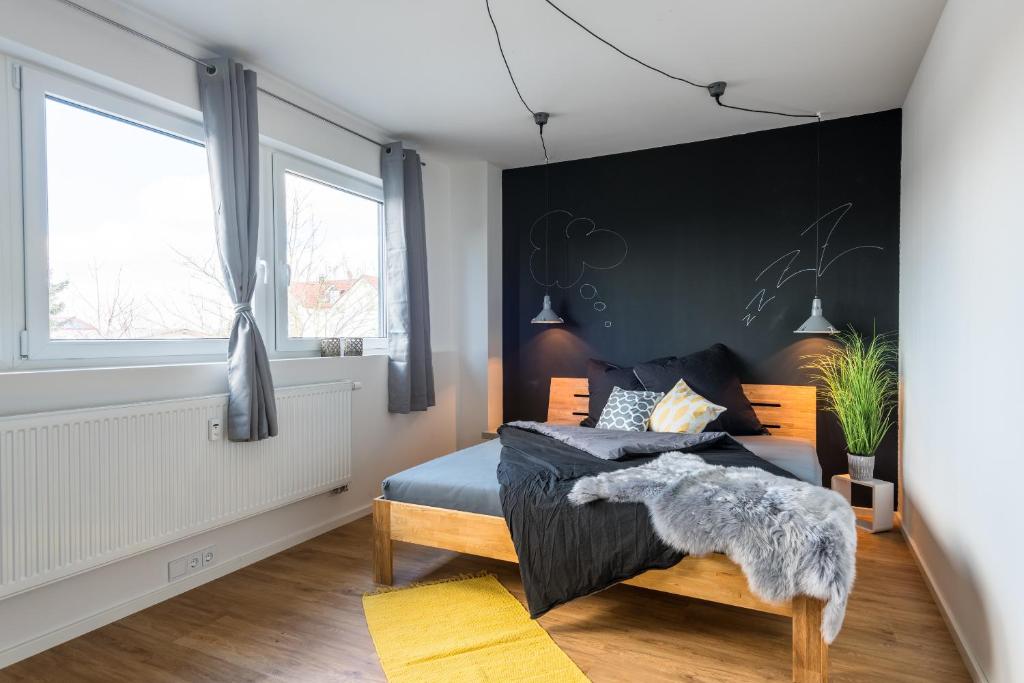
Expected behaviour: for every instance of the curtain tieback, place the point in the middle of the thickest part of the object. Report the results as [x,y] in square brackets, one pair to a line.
[242,308]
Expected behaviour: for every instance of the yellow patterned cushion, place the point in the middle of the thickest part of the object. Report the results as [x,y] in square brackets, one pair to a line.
[683,411]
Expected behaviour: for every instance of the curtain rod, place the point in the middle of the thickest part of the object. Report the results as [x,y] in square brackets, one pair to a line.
[196,60]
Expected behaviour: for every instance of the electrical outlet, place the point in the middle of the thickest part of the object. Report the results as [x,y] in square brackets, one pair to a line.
[213,429]
[189,564]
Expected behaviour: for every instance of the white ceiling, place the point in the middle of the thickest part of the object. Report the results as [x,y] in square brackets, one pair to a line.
[429,70]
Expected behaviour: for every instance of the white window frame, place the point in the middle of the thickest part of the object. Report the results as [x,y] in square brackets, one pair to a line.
[282,163]
[36,86]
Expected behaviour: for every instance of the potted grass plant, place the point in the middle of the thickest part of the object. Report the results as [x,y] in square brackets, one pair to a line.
[858,381]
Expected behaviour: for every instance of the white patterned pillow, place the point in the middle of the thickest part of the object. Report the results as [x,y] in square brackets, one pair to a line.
[629,410]
[684,411]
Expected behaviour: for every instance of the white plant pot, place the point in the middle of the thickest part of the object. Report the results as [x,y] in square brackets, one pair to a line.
[862,467]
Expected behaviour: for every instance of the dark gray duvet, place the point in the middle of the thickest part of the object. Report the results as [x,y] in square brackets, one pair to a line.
[567,551]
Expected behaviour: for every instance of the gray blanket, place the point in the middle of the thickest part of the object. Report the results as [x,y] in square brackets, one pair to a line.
[791,538]
[612,444]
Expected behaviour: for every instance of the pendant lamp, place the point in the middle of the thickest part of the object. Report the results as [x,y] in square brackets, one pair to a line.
[817,323]
[547,316]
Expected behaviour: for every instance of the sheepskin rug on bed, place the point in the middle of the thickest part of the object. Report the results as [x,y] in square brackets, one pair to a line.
[789,537]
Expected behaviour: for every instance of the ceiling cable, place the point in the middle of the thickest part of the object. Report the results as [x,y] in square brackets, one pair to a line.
[621,51]
[715,89]
[718,100]
[817,205]
[539,117]
[497,37]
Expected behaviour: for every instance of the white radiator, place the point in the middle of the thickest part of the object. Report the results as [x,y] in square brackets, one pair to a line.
[81,488]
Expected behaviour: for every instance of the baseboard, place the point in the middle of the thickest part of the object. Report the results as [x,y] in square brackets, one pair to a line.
[63,634]
[970,662]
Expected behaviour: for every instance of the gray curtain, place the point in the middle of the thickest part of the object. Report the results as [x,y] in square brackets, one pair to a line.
[228,100]
[410,364]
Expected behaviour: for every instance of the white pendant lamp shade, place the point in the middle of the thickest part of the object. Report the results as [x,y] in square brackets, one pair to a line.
[816,324]
[546,315]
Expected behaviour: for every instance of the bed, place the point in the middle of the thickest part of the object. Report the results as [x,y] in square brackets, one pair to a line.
[465,480]
[452,503]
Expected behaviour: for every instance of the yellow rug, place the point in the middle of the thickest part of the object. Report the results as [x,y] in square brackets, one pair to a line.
[462,630]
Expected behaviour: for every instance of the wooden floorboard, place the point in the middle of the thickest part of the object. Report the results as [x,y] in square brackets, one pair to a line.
[297,616]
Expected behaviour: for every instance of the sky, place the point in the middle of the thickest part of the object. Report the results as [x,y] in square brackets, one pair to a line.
[127,206]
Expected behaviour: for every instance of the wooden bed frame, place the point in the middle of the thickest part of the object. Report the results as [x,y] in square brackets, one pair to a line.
[785,410]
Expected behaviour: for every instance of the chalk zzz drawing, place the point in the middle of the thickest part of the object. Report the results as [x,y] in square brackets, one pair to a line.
[565,248]
[787,266]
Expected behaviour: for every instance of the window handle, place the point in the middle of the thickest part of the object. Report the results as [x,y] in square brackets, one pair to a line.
[261,270]
[287,275]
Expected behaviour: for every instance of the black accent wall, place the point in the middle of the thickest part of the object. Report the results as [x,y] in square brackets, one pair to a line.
[679,235]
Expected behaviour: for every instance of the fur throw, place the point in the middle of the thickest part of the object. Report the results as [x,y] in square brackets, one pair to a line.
[790,537]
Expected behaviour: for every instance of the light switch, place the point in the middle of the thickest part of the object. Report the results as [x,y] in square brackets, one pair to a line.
[214,429]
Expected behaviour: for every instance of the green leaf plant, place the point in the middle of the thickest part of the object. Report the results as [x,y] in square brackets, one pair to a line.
[859,385]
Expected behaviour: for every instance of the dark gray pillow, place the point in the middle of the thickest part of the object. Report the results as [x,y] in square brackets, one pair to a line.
[711,374]
[603,377]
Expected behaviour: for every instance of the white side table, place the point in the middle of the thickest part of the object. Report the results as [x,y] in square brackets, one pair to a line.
[881,500]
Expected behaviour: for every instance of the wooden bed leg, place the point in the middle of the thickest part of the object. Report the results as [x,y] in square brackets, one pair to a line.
[810,653]
[382,557]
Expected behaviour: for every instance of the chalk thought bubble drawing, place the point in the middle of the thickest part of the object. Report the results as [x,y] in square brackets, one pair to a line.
[564,248]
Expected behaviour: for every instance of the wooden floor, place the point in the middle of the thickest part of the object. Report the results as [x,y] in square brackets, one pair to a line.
[297,616]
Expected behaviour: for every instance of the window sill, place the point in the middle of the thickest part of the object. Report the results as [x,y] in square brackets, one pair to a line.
[92,364]
[38,390]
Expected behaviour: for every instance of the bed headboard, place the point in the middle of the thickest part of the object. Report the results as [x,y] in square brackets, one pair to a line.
[786,410]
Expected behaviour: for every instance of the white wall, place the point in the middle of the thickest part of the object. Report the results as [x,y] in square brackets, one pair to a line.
[476,220]
[469,214]
[962,366]
[495,301]
[382,444]
[50,34]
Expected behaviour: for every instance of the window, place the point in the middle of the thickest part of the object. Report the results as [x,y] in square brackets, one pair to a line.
[121,257]
[329,242]
[120,243]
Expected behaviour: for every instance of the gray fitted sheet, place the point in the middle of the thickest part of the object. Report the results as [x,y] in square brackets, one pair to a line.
[796,456]
[467,480]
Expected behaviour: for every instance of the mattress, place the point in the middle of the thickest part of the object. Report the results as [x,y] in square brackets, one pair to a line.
[467,480]
[796,456]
